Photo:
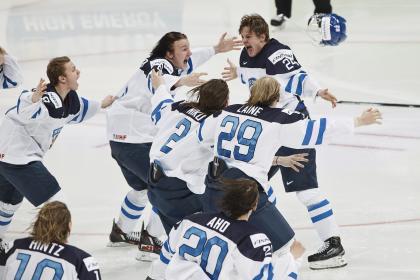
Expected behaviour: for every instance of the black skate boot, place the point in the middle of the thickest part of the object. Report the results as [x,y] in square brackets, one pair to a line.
[331,255]
[278,21]
[118,238]
[149,247]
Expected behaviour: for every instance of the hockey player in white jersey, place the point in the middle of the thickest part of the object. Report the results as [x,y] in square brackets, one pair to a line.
[28,131]
[131,127]
[46,254]
[245,138]
[220,245]
[178,161]
[262,56]
[10,72]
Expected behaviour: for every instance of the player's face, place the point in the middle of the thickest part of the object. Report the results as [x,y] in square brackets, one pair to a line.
[252,43]
[72,74]
[180,54]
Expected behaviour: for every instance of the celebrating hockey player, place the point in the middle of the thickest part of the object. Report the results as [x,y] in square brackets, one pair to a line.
[10,73]
[238,249]
[30,129]
[131,129]
[245,137]
[262,56]
[46,254]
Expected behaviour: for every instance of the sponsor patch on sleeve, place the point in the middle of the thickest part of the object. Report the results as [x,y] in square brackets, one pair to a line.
[259,239]
[53,98]
[280,55]
[91,263]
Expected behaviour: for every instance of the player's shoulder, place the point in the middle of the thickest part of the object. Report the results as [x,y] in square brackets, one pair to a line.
[235,230]
[256,246]
[268,114]
[275,51]
[77,256]
[159,64]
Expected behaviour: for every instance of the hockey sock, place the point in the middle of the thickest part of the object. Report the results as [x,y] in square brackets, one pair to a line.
[154,226]
[320,212]
[271,196]
[131,209]
[6,214]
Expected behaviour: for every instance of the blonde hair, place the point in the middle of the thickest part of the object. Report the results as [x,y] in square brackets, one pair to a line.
[52,223]
[264,92]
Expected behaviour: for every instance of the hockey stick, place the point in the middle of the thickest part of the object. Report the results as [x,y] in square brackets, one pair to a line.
[379,103]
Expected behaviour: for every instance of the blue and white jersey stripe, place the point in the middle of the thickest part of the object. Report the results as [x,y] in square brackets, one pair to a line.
[314,134]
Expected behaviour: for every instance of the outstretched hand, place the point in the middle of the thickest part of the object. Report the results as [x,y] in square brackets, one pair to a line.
[229,72]
[370,116]
[107,101]
[328,96]
[39,91]
[192,80]
[227,44]
[292,161]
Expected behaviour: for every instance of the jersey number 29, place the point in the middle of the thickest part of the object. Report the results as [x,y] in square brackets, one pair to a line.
[248,125]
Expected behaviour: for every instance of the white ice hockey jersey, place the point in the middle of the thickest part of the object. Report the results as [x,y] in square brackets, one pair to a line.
[247,137]
[10,73]
[213,246]
[29,129]
[129,118]
[176,147]
[28,259]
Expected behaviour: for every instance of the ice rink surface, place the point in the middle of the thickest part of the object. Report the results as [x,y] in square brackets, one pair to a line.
[372,178]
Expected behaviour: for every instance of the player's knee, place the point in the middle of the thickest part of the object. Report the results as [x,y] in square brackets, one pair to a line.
[9,209]
[309,197]
[137,197]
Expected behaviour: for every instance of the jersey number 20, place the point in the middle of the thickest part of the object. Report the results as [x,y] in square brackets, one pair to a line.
[203,248]
[250,142]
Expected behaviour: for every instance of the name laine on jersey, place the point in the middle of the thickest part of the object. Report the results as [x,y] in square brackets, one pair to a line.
[196,114]
[218,224]
[250,110]
[52,248]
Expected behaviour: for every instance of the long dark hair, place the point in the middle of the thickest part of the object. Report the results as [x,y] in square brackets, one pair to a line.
[241,195]
[166,44]
[209,97]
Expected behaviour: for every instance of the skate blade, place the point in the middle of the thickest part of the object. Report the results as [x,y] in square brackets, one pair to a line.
[119,244]
[146,256]
[335,262]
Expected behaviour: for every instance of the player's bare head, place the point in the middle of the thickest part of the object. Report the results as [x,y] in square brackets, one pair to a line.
[56,68]
[211,96]
[166,44]
[52,223]
[264,92]
[240,197]
[61,70]
[255,23]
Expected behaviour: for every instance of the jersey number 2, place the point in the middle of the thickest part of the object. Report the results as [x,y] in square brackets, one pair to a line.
[251,142]
[203,248]
[186,125]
